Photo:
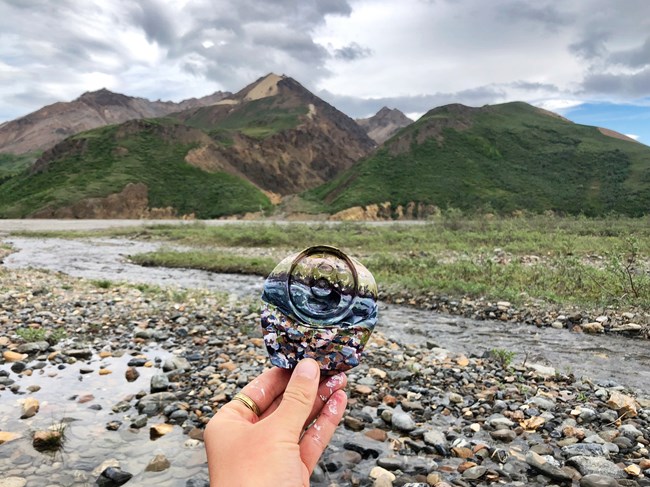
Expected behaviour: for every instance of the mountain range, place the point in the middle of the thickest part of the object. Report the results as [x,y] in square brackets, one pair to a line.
[276,147]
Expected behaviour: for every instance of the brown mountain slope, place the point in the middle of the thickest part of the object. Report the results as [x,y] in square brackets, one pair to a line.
[384,124]
[46,127]
[278,135]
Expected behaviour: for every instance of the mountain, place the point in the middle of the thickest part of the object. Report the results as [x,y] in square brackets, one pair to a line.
[46,127]
[278,135]
[384,124]
[272,138]
[501,158]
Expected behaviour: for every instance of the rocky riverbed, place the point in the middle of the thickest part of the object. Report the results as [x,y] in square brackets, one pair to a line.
[124,377]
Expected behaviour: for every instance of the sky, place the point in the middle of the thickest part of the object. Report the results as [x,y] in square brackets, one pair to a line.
[588,60]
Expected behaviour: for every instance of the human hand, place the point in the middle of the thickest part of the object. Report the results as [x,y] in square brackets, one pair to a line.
[274,449]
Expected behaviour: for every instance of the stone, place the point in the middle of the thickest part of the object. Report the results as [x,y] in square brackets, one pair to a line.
[47,440]
[153,404]
[391,463]
[365,447]
[13,482]
[158,464]
[131,374]
[403,421]
[113,477]
[633,470]
[377,472]
[595,480]
[83,354]
[7,436]
[474,473]
[596,465]
[586,449]
[197,482]
[159,383]
[504,435]
[161,429]
[376,434]
[545,467]
[542,403]
[353,423]
[113,425]
[30,407]
[176,363]
[593,327]
[10,356]
[622,404]
[342,460]
[139,421]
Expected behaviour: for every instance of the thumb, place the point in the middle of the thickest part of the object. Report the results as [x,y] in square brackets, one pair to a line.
[298,398]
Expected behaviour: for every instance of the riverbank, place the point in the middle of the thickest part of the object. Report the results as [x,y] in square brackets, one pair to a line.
[130,358]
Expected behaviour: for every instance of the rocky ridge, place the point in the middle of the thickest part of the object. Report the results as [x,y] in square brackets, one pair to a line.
[44,128]
[418,415]
[384,124]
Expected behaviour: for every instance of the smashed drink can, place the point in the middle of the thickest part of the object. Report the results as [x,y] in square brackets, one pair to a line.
[318,304]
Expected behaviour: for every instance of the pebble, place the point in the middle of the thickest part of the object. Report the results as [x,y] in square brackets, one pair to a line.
[158,464]
[113,477]
[13,482]
[595,480]
[403,421]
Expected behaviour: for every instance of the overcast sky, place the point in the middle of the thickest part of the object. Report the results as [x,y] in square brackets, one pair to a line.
[587,59]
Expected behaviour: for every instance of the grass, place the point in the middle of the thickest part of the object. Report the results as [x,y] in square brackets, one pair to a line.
[41,335]
[12,164]
[499,159]
[502,356]
[570,260]
[108,158]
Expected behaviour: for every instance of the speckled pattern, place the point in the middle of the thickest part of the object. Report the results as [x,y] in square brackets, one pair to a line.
[320,304]
[287,341]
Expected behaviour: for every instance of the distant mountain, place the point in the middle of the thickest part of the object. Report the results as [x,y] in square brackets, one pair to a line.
[384,124]
[44,128]
[498,158]
[272,138]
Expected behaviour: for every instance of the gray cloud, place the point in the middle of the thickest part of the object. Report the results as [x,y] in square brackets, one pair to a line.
[636,57]
[547,15]
[634,85]
[154,20]
[352,52]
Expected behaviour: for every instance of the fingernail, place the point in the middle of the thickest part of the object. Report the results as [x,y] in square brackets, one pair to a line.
[308,369]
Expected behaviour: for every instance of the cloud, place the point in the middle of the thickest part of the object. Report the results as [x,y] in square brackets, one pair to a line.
[352,52]
[632,85]
[632,136]
[546,15]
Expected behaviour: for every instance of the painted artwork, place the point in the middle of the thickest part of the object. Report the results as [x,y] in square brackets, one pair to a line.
[321,304]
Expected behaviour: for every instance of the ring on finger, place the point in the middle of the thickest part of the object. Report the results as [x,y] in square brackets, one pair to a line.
[248,402]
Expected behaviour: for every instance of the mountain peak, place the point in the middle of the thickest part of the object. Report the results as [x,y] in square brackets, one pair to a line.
[263,87]
[384,124]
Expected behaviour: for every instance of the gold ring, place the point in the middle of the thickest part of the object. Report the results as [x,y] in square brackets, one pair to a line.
[248,402]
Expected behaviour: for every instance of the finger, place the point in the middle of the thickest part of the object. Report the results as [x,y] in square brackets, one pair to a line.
[298,398]
[317,437]
[326,388]
[262,390]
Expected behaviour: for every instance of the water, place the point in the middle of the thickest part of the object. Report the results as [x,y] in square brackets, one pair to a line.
[611,358]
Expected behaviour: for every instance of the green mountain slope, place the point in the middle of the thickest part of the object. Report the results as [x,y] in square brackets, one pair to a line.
[502,157]
[104,161]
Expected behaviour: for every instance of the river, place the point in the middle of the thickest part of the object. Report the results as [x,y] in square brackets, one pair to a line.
[602,358]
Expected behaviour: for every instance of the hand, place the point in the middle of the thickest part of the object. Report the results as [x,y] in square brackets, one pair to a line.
[274,449]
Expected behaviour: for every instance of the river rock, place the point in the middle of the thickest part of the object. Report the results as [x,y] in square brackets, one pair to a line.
[13,482]
[596,465]
[544,465]
[403,421]
[503,435]
[131,374]
[30,407]
[33,347]
[159,383]
[341,460]
[153,404]
[365,447]
[113,477]
[80,353]
[10,356]
[623,404]
[158,464]
[176,363]
[586,449]
[595,480]
[197,482]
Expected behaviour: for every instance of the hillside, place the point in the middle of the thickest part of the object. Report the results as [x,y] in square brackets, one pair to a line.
[278,135]
[499,158]
[273,137]
[133,170]
[44,128]
[384,124]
